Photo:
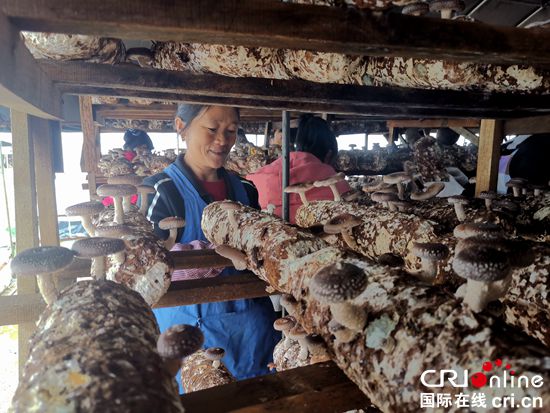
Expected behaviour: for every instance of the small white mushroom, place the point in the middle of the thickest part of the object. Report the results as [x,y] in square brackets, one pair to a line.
[299,334]
[458,201]
[42,262]
[172,224]
[215,354]
[399,179]
[517,185]
[177,342]
[343,224]
[143,191]
[336,285]
[488,197]
[86,210]
[487,270]
[284,325]
[331,183]
[117,192]
[97,248]
[446,7]
[231,207]
[429,253]
[301,190]
[129,179]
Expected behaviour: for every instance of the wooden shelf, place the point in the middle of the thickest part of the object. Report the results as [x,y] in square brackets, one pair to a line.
[321,387]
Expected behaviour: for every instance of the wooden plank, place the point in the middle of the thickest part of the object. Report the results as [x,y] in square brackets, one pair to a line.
[26,219]
[472,137]
[23,85]
[490,138]
[90,144]
[199,259]
[317,388]
[22,309]
[45,181]
[434,123]
[259,23]
[133,81]
[167,85]
[526,126]
[213,289]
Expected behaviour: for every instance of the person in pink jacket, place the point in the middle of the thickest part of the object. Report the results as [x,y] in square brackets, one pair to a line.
[316,150]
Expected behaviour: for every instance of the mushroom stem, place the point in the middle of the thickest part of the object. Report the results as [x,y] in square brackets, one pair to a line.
[335,192]
[400,191]
[47,287]
[126,203]
[98,268]
[488,203]
[143,208]
[171,240]
[216,364]
[349,240]
[516,190]
[119,210]
[119,258]
[303,197]
[460,214]
[349,315]
[88,226]
[446,14]
[428,270]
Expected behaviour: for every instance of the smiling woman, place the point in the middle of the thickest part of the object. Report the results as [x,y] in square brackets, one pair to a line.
[184,189]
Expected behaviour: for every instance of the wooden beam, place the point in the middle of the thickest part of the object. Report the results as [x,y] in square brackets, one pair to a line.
[22,309]
[321,387]
[45,181]
[133,81]
[199,259]
[26,219]
[434,123]
[210,290]
[490,138]
[527,126]
[90,144]
[259,23]
[472,137]
[23,85]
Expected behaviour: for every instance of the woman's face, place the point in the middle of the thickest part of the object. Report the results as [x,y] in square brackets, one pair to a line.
[210,136]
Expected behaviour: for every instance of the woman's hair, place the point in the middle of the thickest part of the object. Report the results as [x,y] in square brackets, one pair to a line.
[315,136]
[188,111]
[136,137]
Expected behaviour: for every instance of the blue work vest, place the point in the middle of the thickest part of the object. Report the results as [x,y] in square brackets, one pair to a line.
[244,328]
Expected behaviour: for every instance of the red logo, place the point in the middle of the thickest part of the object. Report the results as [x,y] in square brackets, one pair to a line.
[479,379]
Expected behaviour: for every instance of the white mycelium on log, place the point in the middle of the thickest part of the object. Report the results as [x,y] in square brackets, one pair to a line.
[94,350]
[410,327]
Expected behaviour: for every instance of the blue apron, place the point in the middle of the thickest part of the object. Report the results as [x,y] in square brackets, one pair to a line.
[244,328]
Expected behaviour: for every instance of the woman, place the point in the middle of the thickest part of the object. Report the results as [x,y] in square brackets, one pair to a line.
[316,150]
[242,327]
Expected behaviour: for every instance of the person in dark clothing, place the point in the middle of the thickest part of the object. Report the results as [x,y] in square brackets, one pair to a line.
[242,327]
[446,137]
[315,136]
[531,160]
[136,140]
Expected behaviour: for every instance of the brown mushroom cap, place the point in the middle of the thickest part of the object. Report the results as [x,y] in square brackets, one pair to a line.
[383,197]
[330,180]
[341,223]
[214,353]
[351,195]
[488,195]
[438,5]
[85,208]
[171,223]
[41,260]
[390,260]
[130,179]
[116,190]
[115,231]
[297,188]
[430,250]
[338,283]
[297,332]
[469,229]
[98,247]
[457,199]
[481,263]
[230,206]
[146,189]
[396,178]
[416,8]
[431,191]
[180,341]
[284,323]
